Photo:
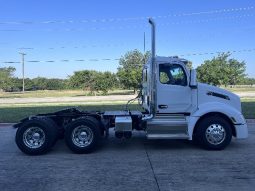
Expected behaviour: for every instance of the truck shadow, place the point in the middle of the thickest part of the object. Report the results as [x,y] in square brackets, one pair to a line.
[139,143]
[170,144]
[135,144]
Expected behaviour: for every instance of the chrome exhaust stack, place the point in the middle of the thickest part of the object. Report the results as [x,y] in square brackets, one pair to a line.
[153,100]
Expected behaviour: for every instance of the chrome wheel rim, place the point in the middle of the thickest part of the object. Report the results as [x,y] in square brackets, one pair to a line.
[82,136]
[215,134]
[34,137]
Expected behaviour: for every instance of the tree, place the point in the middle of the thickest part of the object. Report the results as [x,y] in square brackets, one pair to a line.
[82,79]
[189,65]
[248,81]
[40,83]
[93,81]
[130,69]
[18,84]
[221,71]
[103,81]
[236,71]
[6,78]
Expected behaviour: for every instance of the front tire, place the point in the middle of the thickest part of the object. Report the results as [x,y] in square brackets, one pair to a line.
[213,133]
[83,135]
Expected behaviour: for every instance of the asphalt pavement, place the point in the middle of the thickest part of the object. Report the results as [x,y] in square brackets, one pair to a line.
[136,164]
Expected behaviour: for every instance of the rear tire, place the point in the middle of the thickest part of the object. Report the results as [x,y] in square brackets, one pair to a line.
[36,136]
[213,133]
[83,135]
[56,128]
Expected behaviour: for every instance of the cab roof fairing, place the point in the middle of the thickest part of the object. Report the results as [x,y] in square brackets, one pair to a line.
[161,59]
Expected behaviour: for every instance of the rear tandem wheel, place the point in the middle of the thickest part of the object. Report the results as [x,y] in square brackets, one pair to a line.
[37,136]
[83,135]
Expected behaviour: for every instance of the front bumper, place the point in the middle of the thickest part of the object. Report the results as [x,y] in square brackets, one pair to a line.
[241,131]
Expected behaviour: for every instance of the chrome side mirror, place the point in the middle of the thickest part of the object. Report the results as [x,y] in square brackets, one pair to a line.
[193,79]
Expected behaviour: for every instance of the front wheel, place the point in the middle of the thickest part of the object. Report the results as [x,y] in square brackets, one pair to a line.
[213,133]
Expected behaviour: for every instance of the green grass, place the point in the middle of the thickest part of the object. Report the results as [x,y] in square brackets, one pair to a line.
[240,89]
[15,112]
[58,93]
[77,93]
[248,108]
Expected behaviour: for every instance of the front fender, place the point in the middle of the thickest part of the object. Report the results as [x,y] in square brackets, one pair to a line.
[234,115]
[215,107]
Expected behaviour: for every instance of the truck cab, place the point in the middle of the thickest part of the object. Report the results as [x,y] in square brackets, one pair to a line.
[174,93]
[185,109]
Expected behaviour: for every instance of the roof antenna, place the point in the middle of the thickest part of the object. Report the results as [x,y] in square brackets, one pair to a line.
[144,48]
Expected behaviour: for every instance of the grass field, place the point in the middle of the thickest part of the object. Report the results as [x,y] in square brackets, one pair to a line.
[244,89]
[58,93]
[77,93]
[248,108]
[15,112]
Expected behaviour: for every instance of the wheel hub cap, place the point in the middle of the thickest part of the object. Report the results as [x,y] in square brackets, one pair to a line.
[215,134]
[82,136]
[34,137]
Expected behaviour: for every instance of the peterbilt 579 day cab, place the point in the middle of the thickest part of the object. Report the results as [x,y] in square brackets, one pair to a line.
[175,107]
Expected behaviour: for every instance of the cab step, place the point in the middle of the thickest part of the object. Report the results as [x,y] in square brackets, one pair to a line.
[167,127]
[167,136]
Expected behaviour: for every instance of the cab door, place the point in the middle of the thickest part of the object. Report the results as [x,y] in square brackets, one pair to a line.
[173,92]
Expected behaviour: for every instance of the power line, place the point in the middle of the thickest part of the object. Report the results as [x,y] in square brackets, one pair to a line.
[217,52]
[122,44]
[217,11]
[117,59]
[206,20]
[103,20]
[132,27]
[76,47]
[10,62]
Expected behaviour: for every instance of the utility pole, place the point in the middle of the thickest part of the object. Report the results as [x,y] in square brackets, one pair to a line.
[23,70]
[144,42]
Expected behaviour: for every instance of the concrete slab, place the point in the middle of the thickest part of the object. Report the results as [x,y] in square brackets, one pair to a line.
[136,164]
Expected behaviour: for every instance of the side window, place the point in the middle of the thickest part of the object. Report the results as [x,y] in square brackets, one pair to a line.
[172,74]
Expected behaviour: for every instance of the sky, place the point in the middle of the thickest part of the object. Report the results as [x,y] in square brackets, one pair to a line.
[67,36]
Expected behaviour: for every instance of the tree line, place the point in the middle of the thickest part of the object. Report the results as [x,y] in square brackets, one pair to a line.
[223,70]
[220,70]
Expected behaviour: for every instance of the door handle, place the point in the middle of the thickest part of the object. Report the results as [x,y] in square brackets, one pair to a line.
[163,106]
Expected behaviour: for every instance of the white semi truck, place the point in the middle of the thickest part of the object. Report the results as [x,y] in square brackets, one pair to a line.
[175,107]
